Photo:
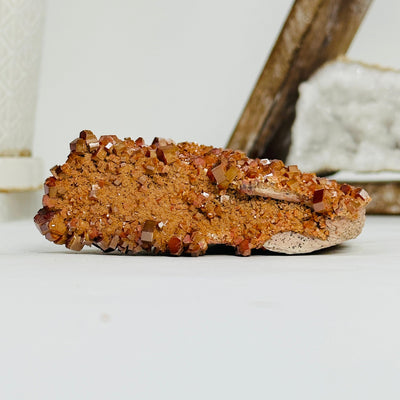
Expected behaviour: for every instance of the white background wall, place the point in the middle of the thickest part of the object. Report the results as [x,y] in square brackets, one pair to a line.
[179,69]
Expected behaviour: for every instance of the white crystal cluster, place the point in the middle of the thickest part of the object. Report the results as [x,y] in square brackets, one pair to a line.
[348,118]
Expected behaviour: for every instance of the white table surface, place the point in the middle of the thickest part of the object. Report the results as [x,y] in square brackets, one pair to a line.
[93,326]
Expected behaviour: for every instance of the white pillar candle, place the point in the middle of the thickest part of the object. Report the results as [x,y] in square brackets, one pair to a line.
[21,26]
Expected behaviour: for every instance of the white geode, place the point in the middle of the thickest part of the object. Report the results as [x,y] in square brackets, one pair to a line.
[348,118]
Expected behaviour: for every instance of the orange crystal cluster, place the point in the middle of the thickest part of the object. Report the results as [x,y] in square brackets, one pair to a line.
[181,198]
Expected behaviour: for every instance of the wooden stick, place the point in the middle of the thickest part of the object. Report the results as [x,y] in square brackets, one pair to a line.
[314,32]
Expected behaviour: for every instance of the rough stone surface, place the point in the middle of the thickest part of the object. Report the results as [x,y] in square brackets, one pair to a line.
[168,198]
[348,118]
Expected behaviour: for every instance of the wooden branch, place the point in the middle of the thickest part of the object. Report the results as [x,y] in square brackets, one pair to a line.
[314,32]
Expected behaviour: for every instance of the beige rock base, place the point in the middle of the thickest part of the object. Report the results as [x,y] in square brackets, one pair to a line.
[341,229]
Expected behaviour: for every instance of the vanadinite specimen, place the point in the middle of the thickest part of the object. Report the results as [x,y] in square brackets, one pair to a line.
[180,198]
